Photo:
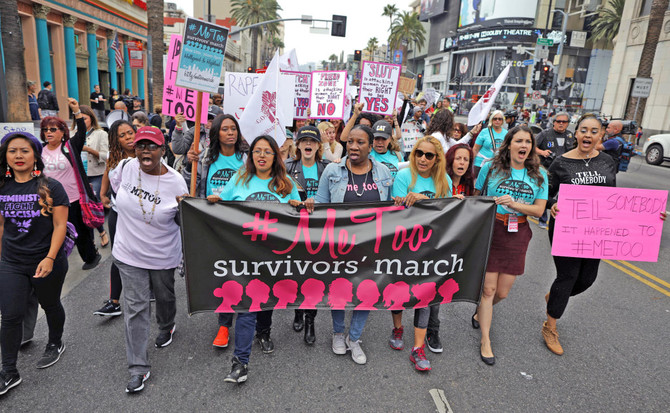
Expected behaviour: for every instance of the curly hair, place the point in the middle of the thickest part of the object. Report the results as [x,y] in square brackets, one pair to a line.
[214,144]
[280,183]
[369,116]
[438,172]
[116,152]
[501,163]
[443,122]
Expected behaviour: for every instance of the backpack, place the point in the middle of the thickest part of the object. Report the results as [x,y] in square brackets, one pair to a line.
[626,151]
[43,99]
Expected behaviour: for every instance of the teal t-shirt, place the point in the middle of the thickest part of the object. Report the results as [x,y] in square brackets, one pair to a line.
[256,190]
[519,185]
[221,171]
[487,150]
[389,159]
[311,180]
[423,186]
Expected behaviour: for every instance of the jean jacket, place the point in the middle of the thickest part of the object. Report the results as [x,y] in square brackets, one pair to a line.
[334,180]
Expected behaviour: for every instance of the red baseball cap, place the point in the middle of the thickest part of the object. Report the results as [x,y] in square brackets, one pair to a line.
[150,133]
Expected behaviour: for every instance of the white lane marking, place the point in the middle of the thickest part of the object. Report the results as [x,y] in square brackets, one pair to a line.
[440,400]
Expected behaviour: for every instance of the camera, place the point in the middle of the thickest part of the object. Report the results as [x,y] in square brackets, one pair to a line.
[629,126]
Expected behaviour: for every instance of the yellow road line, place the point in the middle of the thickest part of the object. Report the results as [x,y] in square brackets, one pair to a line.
[646,274]
[637,277]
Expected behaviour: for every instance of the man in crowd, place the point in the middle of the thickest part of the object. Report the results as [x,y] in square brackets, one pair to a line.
[47,102]
[612,143]
[98,103]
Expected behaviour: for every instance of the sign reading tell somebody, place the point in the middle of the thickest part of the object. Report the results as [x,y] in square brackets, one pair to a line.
[327,91]
[303,82]
[178,99]
[201,60]
[612,223]
[379,85]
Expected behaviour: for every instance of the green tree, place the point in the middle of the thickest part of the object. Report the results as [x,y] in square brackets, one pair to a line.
[333,60]
[15,69]
[406,30]
[277,43]
[324,64]
[372,46]
[606,25]
[390,11]
[248,12]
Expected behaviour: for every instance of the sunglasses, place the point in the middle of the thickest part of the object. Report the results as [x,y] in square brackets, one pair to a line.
[560,121]
[151,146]
[51,129]
[429,155]
[497,119]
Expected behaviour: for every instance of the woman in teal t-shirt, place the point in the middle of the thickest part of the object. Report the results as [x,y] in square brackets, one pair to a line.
[426,178]
[489,140]
[386,149]
[520,187]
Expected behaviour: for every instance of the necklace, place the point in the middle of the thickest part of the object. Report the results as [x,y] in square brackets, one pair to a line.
[351,174]
[154,202]
[588,159]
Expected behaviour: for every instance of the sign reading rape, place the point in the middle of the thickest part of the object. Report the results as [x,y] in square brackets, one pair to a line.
[379,86]
[609,222]
[327,92]
[178,99]
[201,59]
[250,256]
[303,82]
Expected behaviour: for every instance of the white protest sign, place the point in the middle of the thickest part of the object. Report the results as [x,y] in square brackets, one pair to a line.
[303,80]
[431,95]
[27,127]
[410,133]
[327,94]
[237,91]
[379,86]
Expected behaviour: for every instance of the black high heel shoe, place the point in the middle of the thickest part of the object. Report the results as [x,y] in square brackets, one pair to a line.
[298,320]
[475,323]
[309,330]
[488,360]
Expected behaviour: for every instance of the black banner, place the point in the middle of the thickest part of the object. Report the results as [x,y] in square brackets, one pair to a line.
[251,256]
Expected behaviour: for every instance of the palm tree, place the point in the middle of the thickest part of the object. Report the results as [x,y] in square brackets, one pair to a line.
[372,46]
[658,8]
[390,11]
[15,69]
[333,60]
[606,25]
[155,28]
[248,12]
[406,30]
[324,64]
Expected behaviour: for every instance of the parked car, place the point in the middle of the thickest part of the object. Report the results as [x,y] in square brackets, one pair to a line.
[657,149]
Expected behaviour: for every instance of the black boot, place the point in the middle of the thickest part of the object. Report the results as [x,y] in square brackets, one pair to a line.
[309,329]
[298,321]
[264,340]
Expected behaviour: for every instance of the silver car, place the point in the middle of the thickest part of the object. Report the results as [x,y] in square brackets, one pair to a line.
[657,149]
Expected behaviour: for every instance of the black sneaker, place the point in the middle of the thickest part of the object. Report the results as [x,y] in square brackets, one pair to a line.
[110,309]
[433,342]
[92,264]
[136,382]
[238,374]
[8,380]
[165,338]
[263,337]
[51,355]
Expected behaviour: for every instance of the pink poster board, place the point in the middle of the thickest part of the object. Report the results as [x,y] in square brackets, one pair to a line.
[609,223]
[327,92]
[175,98]
[303,82]
[379,86]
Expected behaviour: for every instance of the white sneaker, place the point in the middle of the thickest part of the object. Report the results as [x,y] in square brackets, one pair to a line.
[357,354]
[338,344]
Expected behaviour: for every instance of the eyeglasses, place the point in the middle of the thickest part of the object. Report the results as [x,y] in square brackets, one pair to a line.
[151,146]
[429,155]
[500,119]
[258,152]
[52,130]
[560,121]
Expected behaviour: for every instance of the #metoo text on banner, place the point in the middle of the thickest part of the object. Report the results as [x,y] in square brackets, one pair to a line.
[178,99]
[609,223]
[379,85]
[327,92]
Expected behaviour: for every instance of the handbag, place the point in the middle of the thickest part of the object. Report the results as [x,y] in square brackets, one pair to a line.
[92,210]
[70,239]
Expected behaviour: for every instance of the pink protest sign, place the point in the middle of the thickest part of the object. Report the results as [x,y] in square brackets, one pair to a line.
[327,92]
[611,223]
[178,99]
[379,86]
[303,81]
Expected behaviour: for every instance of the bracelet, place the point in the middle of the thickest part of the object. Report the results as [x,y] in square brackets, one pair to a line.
[76,113]
[52,259]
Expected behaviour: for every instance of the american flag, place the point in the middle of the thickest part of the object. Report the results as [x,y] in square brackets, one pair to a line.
[118,52]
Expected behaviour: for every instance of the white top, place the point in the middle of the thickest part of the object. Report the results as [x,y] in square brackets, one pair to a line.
[141,240]
[449,142]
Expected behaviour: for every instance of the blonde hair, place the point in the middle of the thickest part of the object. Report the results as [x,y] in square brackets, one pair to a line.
[323,127]
[496,112]
[438,171]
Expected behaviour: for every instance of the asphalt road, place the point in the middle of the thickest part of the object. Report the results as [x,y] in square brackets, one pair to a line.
[615,338]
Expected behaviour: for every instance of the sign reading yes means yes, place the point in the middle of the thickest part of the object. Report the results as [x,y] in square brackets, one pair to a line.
[379,85]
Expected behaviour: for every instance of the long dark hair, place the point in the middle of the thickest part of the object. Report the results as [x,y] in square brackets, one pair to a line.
[57,122]
[280,182]
[443,122]
[468,179]
[46,202]
[215,145]
[502,160]
[86,110]
[116,152]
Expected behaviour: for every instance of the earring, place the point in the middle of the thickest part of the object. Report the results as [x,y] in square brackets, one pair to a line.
[8,174]
[35,173]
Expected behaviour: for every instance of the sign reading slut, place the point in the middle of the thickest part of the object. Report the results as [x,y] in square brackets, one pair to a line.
[250,256]
[608,222]
[379,86]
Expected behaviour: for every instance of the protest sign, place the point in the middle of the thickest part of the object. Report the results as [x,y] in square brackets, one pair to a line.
[410,133]
[406,85]
[609,222]
[135,57]
[27,127]
[431,95]
[379,85]
[178,99]
[237,90]
[201,60]
[289,61]
[251,256]
[303,81]
[327,92]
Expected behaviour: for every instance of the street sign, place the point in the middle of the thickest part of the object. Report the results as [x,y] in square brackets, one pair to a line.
[542,52]
[537,95]
[528,62]
[545,42]
[397,56]
[463,65]
[641,87]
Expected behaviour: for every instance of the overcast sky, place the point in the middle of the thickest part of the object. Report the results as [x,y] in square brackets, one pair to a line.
[364,21]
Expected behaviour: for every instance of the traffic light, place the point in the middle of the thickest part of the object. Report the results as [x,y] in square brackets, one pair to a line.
[536,76]
[357,55]
[546,77]
[508,53]
[339,26]
[419,81]
[250,69]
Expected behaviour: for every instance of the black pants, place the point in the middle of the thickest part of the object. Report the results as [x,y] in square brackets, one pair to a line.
[85,241]
[115,286]
[16,282]
[263,320]
[308,313]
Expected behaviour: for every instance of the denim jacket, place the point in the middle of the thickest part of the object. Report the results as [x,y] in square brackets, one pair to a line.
[334,180]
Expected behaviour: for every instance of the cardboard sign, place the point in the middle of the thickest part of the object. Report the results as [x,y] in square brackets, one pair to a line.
[406,85]
[410,133]
[303,82]
[135,56]
[178,99]
[27,127]
[201,61]
[237,90]
[379,85]
[606,222]
[327,91]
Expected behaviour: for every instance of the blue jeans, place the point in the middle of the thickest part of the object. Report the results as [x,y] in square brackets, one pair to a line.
[545,217]
[358,319]
[245,326]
